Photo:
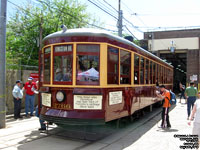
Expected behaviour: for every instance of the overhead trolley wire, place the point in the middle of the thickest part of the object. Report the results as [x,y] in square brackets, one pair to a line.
[103,9]
[110,6]
[106,7]
[65,13]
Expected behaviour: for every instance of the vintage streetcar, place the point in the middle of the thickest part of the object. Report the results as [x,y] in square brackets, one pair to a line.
[90,77]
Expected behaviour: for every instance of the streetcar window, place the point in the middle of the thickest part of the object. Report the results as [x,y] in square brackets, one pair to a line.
[157,76]
[47,50]
[142,70]
[147,72]
[164,75]
[63,68]
[161,74]
[136,68]
[125,67]
[169,76]
[154,73]
[151,73]
[47,65]
[63,48]
[62,63]
[113,65]
[87,64]
[41,67]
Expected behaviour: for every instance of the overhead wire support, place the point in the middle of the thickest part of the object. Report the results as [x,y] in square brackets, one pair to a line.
[119,23]
[3,16]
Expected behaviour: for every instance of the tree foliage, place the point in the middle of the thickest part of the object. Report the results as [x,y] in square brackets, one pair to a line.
[23,29]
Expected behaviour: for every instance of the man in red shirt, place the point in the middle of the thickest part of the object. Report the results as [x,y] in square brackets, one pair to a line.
[165,112]
[30,87]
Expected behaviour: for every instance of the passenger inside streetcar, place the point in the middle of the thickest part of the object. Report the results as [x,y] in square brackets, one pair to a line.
[59,75]
[87,70]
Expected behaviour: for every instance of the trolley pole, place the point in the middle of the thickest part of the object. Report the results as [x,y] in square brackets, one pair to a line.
[3,63]
[119,24]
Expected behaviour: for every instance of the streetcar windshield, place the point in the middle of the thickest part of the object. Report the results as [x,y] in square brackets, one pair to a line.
[87,64]
[63,63]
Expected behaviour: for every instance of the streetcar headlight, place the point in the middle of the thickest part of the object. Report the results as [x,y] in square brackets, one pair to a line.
[60,96]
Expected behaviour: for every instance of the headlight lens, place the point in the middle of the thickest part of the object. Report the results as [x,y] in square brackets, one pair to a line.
[60,96]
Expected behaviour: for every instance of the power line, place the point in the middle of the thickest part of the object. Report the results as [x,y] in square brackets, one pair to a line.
[127,7]
[65,13]
[167,14]
[131,32]
[110,6]
[103,9]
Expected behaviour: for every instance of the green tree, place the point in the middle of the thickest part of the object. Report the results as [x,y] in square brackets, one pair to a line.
[23,29]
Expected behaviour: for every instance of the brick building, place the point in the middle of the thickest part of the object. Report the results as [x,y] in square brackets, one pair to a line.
[181,48]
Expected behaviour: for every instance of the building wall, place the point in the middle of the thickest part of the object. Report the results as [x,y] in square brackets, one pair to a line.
[193,64]
[11,77]
[172,34]
[185,41]
[178,43]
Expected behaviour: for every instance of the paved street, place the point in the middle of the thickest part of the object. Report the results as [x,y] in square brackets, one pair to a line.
[142,134]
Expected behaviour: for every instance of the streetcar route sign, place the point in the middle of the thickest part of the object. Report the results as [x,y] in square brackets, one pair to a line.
[93,102]
[46,99]
[115,97]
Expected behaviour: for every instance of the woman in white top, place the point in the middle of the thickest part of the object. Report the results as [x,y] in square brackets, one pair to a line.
[196,116]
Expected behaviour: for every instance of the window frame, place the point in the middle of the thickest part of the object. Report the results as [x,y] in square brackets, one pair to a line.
[129,76]
[63,54]
[91,54]
[45,56]
[138,69]
[118,67]
[141,57]
[146,78]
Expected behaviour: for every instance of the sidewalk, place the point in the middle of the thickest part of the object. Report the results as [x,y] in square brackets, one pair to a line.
[159,139]
[142,134]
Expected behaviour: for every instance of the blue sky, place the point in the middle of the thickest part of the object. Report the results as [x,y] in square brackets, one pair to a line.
[151,14]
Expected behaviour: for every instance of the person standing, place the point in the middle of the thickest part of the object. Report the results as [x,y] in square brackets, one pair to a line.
[30,87]
[190,94]
[195,115]
[165,94]
[182,89]
[17,96]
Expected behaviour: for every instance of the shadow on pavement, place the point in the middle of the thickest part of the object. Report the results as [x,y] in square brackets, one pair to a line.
[122,137]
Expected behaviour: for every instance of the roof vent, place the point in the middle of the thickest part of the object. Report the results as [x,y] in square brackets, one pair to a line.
[64,28]
[130,38]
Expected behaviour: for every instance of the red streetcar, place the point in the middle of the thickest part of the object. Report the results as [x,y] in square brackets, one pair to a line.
[90,77]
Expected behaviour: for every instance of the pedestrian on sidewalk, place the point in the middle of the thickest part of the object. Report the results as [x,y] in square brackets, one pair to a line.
[195,115]
[30,87]
[182,89]
[190,94]
[165,94]
[17,96]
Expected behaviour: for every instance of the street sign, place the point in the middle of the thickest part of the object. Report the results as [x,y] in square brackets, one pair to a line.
[193,77]
[35,76]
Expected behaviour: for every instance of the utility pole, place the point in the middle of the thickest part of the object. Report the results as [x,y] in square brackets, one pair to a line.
[39,71]
[119,24]
[3,63]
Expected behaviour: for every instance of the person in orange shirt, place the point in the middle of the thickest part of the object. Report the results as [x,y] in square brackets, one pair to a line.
[165,94]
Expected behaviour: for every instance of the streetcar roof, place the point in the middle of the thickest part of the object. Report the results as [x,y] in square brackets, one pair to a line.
[98,33]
